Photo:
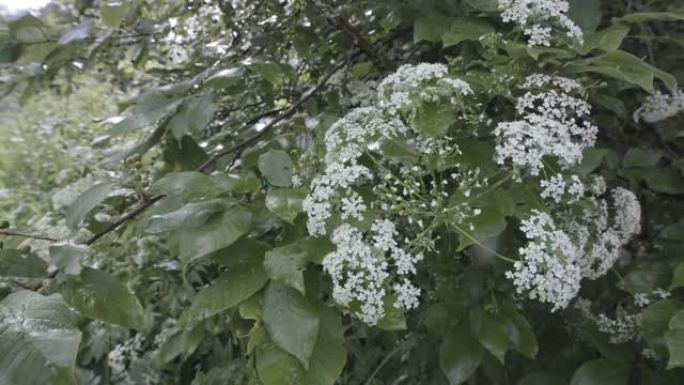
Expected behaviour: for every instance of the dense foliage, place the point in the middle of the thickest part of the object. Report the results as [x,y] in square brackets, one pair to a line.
[342,192]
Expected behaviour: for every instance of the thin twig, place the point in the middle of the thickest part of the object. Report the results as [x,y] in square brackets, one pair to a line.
[15,233]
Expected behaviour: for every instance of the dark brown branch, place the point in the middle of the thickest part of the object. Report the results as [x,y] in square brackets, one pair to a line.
[14,233]
[143,206]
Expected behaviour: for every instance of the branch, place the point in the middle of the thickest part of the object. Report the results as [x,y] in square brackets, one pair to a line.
[14,233]
[281,115]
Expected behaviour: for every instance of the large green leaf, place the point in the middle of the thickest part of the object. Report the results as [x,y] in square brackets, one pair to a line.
[153,106]
[431,28]
[229,80]
[491,331]
[460,354]
[607,40]
[286,203]
[244,278]
[276,166]
[674,338]
[277,367]
[99,295]
[626,67]
[87,201]
[15,263]
[601,372]
[195,114]
[113,12]
[433,119]
[586,13]
[188,185]
[291,320]
[183,342]
[39,340]
[466,29]
[329,355]
[67,257]
[190,215]
[286,264]
[640,17]
[520,333]
[219,231]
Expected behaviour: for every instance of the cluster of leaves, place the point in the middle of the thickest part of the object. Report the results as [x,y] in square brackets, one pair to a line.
[184,256]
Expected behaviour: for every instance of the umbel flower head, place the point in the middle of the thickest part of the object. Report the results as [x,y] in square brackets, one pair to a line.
[539,19]
[373,260]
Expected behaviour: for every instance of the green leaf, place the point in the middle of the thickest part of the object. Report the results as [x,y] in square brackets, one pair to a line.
[669,180]
[655,319]
[153,106]
[189,185]
[194,116]
[484,5]
[291,321]
[586,13]
[219,231]
[112,13]
[242,249]
[677,277]
[276,367]
[245,277]
[276,167]
[286,203]
[520,333]
[433,119]
[286,264]
[674,338]
[460,354]
[466,29]
[14,263]
[591,160]
[494,207]
[67,257]
[181,343]
[78,33]
[607,40]
[622,66]
[29,29]
[87,201]
[99,295]
[274,73]
[190,215]
[394,318]
[646,279]
[543,378]
[329,355]
[640,17]
[229,80]
[39,340]
[601,372]
[491,331]
[431,28]
[641,157]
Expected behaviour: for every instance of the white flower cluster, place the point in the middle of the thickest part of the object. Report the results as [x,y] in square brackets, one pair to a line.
[645,299]
[539,18]
[572,246]
[552,124]
[622,329]
[370,264]
[359,269]
[660,106]
[402,90]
